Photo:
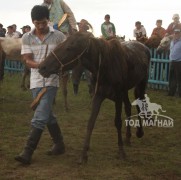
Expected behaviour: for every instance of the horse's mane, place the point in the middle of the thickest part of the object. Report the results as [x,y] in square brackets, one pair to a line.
[113,60]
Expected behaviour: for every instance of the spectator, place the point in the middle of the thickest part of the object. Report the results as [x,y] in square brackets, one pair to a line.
[77,72]
[36,45]
[4,29]
[58,8]
[23,30]
[2,33]
[10,33]
[27,28]
[15,30]
[159,30]
[140,32]
[175,67]
[174,25]
[107,28]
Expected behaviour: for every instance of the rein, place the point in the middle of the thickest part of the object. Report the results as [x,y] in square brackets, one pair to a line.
[73,60]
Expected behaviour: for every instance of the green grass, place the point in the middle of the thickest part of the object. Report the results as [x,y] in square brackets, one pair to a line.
[156,156]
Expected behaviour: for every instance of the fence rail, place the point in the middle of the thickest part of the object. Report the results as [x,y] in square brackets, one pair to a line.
[158,71]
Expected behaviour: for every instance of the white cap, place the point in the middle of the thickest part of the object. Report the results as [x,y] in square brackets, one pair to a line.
[175,16]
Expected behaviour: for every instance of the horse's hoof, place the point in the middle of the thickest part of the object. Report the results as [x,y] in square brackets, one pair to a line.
[139,134]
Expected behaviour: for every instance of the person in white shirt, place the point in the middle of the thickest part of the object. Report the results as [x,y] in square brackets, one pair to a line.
[10,33]
[140,32]
[36,45]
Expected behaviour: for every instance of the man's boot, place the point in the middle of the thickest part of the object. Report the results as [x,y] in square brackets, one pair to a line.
[32,142]
[55,132]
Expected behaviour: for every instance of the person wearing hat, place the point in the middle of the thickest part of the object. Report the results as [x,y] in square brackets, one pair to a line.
[83,26]
[140,32]
[15,30]
[175,64]
[158,31]
[23,30]
[108,29]
[10,32]
[174,25]
[27,28]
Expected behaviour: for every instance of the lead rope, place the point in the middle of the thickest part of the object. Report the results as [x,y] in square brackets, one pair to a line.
[78,57]
[36,101]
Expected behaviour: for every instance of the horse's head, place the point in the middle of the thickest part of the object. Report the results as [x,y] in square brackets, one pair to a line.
[164,44]
[153,41]
[66,55]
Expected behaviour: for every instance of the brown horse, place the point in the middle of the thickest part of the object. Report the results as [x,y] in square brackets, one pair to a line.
[116,67]
[164,45]
[10,49]
[153,41]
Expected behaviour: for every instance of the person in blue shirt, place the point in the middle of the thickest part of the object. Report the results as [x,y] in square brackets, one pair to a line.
[175,68]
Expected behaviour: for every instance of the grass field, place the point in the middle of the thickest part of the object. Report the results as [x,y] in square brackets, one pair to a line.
[156,156]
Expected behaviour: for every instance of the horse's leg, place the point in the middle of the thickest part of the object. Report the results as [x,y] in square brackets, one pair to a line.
[118,124]
[96,104]
[140,94]
[64,83]
[26,74]
[76,76]
[2,64]
[127,106]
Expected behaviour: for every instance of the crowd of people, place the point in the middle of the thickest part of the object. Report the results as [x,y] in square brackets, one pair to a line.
[11,31]
[48,31]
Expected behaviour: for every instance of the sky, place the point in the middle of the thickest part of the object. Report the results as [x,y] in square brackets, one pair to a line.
[123,13]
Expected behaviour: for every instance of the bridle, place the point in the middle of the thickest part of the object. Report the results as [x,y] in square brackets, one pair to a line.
[78,58]
[73,60]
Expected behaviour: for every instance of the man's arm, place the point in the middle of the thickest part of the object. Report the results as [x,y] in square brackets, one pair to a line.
[28,59]
[71,17]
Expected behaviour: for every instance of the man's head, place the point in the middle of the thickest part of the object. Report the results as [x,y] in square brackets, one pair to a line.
[40,17]
[107,17]
[84,25]
[176,18]
[159,23]
[27,28]
[138,24]
[177,33]
[39,12]
[10,29]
